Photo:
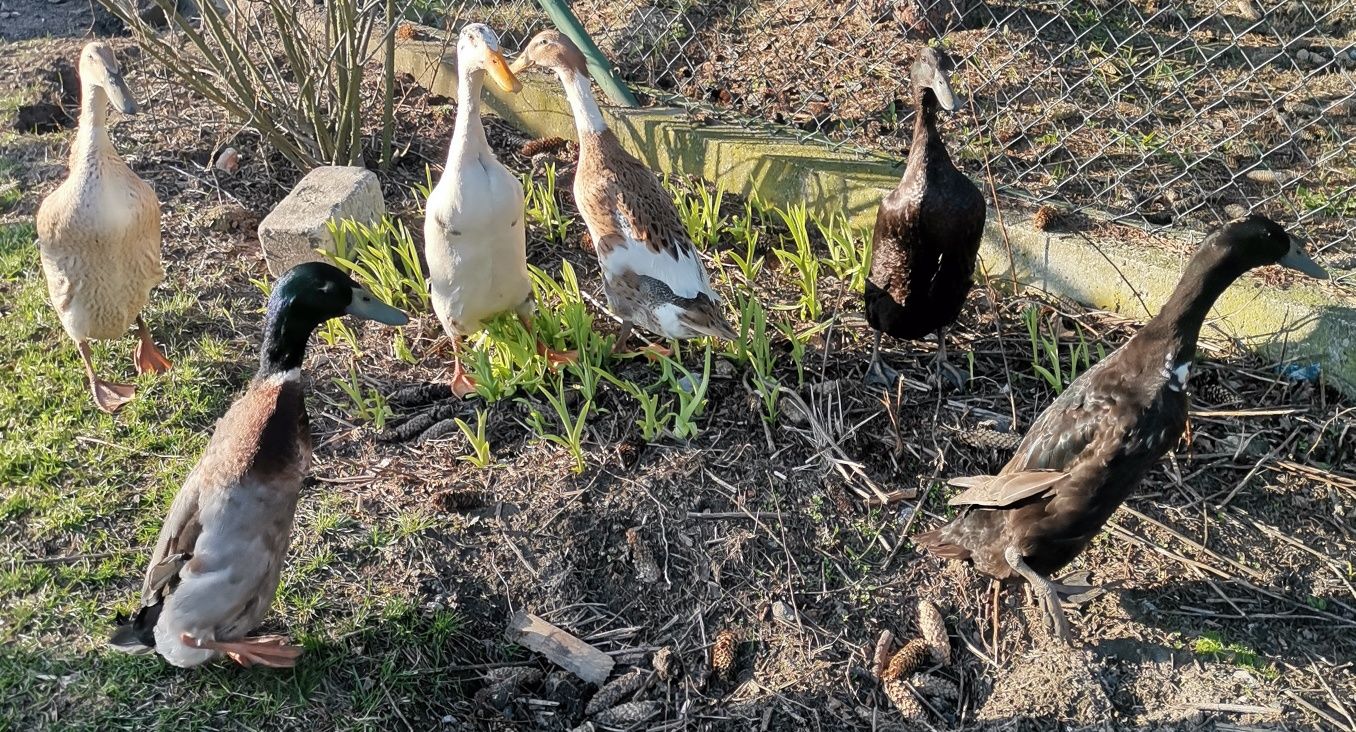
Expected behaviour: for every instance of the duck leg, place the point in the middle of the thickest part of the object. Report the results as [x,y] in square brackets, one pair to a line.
[267,650]
[147,357]
[1045,593]
[553,357]
[878,373]
[1075,588]
[650,351]
[942,367]
[108,395]
[461,383]
[623,335]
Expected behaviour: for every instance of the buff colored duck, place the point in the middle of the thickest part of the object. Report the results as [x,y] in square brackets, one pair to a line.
[652,273]
[99,234]
[216,564]
[1090,449]
[474,231]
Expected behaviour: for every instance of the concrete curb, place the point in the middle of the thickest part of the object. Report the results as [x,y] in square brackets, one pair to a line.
[1305,323]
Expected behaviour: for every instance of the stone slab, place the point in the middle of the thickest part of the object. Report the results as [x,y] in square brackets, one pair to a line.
[299,224]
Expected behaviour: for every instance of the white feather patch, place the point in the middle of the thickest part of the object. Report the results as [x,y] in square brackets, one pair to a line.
[685,276]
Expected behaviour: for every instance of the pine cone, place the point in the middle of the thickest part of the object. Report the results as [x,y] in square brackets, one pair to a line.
[908,705]
[666,664]
[723,652]
[933,627]
[628,714]
[614,691]
[647,570]
[984,437]
[1045,217]
[909,658]
[542,145]
[935,686]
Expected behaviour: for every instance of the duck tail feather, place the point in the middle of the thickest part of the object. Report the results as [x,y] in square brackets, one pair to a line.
[938,544]
[136,635]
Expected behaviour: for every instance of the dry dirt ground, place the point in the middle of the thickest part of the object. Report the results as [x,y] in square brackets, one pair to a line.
[1232,602]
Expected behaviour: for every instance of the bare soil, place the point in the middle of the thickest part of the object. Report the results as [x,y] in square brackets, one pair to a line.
[1232,602]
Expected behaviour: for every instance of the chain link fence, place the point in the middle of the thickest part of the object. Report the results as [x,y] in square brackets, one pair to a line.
[1165,112]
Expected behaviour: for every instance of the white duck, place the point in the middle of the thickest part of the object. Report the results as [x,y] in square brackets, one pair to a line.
[652,273]
[99,234]
[474,233]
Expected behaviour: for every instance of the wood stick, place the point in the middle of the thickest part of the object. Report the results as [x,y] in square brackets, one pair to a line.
[561,648]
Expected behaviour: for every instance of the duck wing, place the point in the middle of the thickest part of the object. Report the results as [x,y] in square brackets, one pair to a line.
[999,491]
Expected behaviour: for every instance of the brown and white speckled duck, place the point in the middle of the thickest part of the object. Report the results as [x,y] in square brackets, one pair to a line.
[927,232]
[99,234]
[652,273]
[220,553]
[1091,448]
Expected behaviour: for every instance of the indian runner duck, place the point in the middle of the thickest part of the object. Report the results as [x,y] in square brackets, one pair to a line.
[216,564]
[99,234]
[927,233]
[1091,448]
[652,274]
[475,236]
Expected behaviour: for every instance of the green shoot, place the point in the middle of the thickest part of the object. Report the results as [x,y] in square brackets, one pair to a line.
[572,426]
[480,446]
[383,257]
[691,395]
[542,206]
[368,405]
[848,261]
[803,259]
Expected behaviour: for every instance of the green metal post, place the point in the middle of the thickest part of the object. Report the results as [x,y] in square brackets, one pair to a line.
[599,68]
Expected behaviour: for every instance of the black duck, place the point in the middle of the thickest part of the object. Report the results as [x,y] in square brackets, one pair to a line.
[1089,450]
[927,232]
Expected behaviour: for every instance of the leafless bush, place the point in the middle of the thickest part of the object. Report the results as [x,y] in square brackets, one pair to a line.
[293,71]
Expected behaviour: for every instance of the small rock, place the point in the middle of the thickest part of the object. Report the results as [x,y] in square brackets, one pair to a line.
[228,161]
[1303,55]
[784,613]
[1235,211]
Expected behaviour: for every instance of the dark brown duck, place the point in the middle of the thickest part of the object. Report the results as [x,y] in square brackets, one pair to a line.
[1089,450]
[927,231]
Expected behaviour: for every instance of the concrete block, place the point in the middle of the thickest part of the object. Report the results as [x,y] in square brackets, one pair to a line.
[299,224]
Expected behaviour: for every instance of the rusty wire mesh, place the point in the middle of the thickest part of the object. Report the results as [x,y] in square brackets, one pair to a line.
[1187,112]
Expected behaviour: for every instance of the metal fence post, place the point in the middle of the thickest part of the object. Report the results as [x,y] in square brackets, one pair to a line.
[565,20]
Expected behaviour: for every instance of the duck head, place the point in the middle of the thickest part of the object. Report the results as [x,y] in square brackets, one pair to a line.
[98,69]
[306,296]
[930,74]
[478,50]
[553,51]
[1256,241]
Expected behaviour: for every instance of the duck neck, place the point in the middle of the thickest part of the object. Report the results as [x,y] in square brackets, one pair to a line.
[1178,324]
[927,142]
[468,137]
[91,138]
[285,337]
[588,118]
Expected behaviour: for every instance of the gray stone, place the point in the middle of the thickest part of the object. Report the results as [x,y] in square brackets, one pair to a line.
[299,225]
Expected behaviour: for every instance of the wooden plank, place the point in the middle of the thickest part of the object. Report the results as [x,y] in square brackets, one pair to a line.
[561,648]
